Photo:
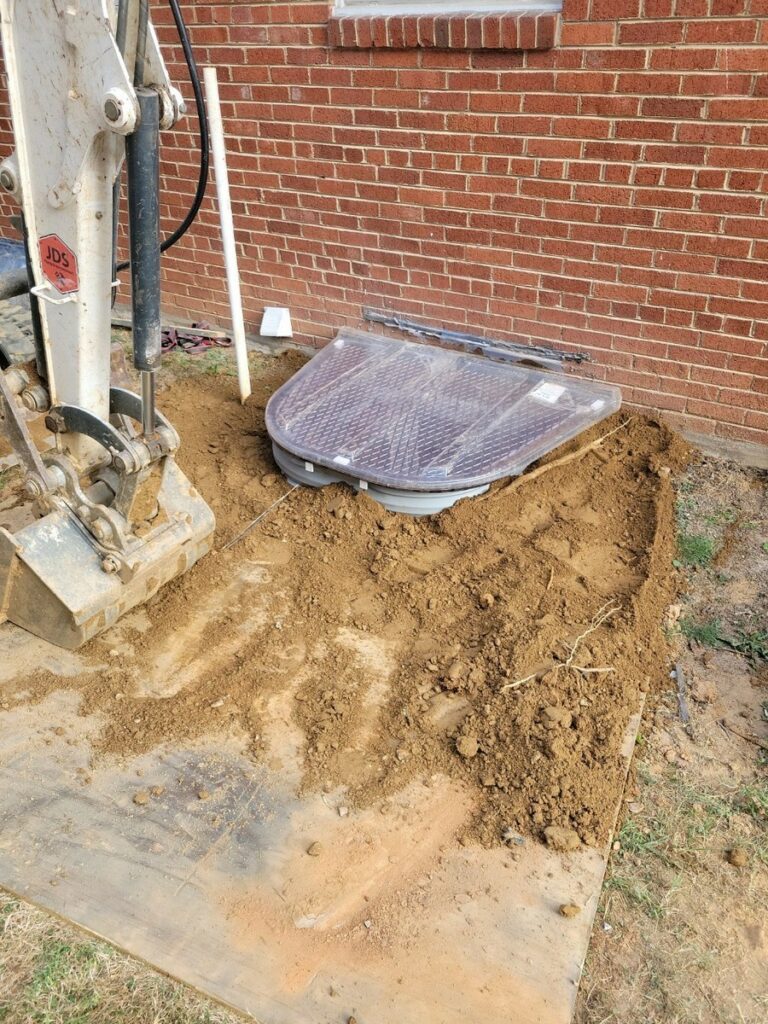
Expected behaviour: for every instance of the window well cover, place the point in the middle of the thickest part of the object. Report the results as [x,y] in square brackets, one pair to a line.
[414,417]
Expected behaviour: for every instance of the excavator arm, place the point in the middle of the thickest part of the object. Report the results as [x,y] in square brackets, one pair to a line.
[116,517]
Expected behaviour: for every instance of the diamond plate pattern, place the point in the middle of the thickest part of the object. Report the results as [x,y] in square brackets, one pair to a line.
[415,417]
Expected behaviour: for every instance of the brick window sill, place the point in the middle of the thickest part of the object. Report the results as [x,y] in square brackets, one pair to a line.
[462,31]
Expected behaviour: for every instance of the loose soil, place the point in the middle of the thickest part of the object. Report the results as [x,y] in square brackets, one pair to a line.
[505,642]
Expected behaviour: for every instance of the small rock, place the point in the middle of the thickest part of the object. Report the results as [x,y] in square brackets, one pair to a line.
[570,910]
[737,857]
[315,849]
[487,600]
[670,756]
[203,794]
[343,812]
[673,615]
[141,797]
[512,838]
[467,746]
[157,790]
[268,479]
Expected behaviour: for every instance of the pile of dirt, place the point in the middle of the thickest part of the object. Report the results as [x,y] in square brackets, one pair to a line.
[506,642]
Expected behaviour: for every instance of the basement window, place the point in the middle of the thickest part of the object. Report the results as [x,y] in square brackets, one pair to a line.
[446,24]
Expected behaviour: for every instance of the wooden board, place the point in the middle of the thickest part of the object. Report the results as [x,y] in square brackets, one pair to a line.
[393,923]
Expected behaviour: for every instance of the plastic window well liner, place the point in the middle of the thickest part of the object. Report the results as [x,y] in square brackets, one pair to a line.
[413,417]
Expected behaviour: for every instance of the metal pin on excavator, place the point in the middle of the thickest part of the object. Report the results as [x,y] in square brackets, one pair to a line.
[117,519]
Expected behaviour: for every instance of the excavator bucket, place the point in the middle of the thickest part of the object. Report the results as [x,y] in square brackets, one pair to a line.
[117,518]
[52,576]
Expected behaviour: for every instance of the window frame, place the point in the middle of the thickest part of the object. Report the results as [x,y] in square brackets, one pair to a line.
[376,8]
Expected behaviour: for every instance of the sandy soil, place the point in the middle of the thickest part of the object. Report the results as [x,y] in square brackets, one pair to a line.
[523,626]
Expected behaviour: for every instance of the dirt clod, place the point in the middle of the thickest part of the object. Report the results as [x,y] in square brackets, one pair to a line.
[141,797]
[564,840]
[467,746]
[315,849]
[738,857]
[570,910]
[554,716]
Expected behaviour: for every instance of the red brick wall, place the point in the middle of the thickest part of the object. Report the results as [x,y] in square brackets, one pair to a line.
[607,194]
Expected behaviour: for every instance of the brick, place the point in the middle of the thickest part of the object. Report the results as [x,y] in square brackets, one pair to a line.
[684,59]
[739,110]
[511,32]
[654,33]
[729,32]
[547,31]
[614,9]
[595,33]
[491,31]
[607,193]
[474,32]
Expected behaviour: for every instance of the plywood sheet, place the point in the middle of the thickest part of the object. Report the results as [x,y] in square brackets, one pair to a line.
[210,880]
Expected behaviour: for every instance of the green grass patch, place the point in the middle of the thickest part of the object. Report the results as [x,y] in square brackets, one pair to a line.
[753,645]
[721,517]
[61,988]
[707,633]
[642,836]
[690,821]
[685,507]
[753,800]
[639,893]
[694,549]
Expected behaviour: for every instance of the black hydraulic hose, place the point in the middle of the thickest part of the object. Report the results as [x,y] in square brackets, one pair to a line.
[205,144]
[205,139]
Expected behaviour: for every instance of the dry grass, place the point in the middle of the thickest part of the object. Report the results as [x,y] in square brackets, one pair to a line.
[678,935]
[51,973]
[682,935]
